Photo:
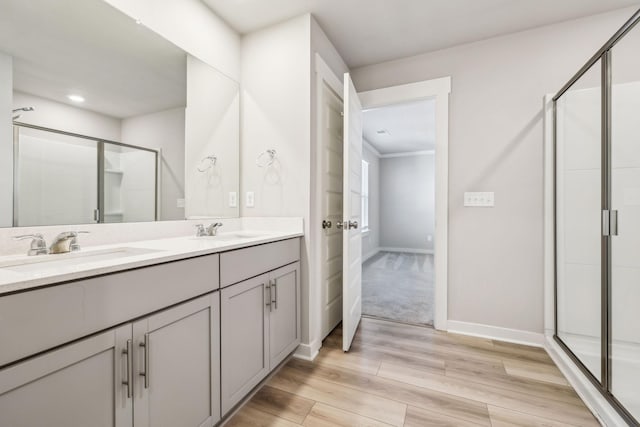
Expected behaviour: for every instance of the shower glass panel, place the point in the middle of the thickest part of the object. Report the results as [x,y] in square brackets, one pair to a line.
[578,218]
[56,178]
[625,246]
[129,184]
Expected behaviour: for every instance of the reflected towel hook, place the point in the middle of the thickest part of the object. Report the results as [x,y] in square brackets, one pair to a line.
[272,157]
[207,163]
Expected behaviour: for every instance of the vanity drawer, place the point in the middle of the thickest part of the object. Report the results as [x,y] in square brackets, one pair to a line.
[241,264]
[38,320]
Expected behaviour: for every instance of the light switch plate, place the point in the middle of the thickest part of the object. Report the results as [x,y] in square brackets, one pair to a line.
[484,199]
[233,199]
[250,202]
[180,203]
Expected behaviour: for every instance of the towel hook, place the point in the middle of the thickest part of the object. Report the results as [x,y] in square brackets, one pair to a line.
[272,157]
[210,162]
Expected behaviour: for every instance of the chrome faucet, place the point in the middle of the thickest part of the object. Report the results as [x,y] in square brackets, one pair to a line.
[38,244]
[66,242]
[200,231]
[212,229]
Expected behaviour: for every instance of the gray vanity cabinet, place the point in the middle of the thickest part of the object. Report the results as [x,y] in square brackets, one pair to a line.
[77,385]
[284,315]
[260,327]
[244,332]
[162,370]
[177,366]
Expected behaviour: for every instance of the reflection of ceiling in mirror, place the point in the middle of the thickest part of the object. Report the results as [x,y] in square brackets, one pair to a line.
[121,68]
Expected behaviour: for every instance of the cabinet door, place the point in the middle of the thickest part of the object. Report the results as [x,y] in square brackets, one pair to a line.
[244,328]
[177,367]
[78,385]
[284,321]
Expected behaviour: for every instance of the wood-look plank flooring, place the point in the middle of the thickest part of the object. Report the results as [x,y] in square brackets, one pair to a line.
[403,375]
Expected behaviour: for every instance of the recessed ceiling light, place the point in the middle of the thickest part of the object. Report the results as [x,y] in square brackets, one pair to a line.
[76,98]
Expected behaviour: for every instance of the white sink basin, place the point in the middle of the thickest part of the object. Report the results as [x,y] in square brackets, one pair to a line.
[51,262]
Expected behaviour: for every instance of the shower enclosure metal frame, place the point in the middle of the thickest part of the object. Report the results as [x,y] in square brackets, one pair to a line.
[100,160]
[609,218]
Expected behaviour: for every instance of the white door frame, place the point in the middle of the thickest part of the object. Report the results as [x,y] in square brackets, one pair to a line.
[438,89]
[324,75]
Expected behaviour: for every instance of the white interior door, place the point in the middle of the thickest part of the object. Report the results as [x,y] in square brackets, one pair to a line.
[352,188]
[331,205]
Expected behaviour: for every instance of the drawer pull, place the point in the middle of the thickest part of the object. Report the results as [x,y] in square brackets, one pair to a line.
[274,286]
[128,352]
[145,372]
[268,303]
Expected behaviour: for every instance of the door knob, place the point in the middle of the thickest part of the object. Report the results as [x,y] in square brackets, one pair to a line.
[353,224]
[326,224]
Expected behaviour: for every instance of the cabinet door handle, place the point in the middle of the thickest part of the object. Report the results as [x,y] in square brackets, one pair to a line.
[145,372]
[268,288]
[128,351]
[274,286]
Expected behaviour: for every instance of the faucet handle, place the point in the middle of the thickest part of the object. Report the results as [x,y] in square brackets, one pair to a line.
[38,244]
[35,236]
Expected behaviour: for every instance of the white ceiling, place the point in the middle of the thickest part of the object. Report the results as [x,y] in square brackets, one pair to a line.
[401,128]
[87,47]
[371,31]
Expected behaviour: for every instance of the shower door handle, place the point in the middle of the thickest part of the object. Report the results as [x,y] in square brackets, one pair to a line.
[609,222]
[613,223]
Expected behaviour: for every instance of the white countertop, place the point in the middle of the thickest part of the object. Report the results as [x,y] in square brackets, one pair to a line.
[46,269]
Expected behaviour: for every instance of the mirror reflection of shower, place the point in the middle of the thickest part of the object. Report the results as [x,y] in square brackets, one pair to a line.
[23,109]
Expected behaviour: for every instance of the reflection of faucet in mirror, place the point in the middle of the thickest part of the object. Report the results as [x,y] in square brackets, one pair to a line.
[38,244]
[17,116]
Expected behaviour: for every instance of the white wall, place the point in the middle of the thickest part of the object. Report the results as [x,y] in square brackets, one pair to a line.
[6,141]
[276,99]
[212,126]
[59,116]
[164,130]
[278,111]
[371,239]
[407,204]
[495,255]
[192,26]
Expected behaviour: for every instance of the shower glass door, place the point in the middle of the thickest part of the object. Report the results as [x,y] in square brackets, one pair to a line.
[56,178]
[578,219]
[624,351]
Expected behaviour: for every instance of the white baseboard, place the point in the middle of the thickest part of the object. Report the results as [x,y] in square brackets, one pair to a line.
[408,250]
[370,254]
[597,404]
[307,352]
[496,333]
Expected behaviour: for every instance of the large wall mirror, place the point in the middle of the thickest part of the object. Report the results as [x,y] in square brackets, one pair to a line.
[106,121]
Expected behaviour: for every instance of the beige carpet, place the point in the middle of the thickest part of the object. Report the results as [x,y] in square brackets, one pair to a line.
[398,286]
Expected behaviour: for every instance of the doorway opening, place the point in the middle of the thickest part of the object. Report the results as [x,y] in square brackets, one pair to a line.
[340,204]
[398,212]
